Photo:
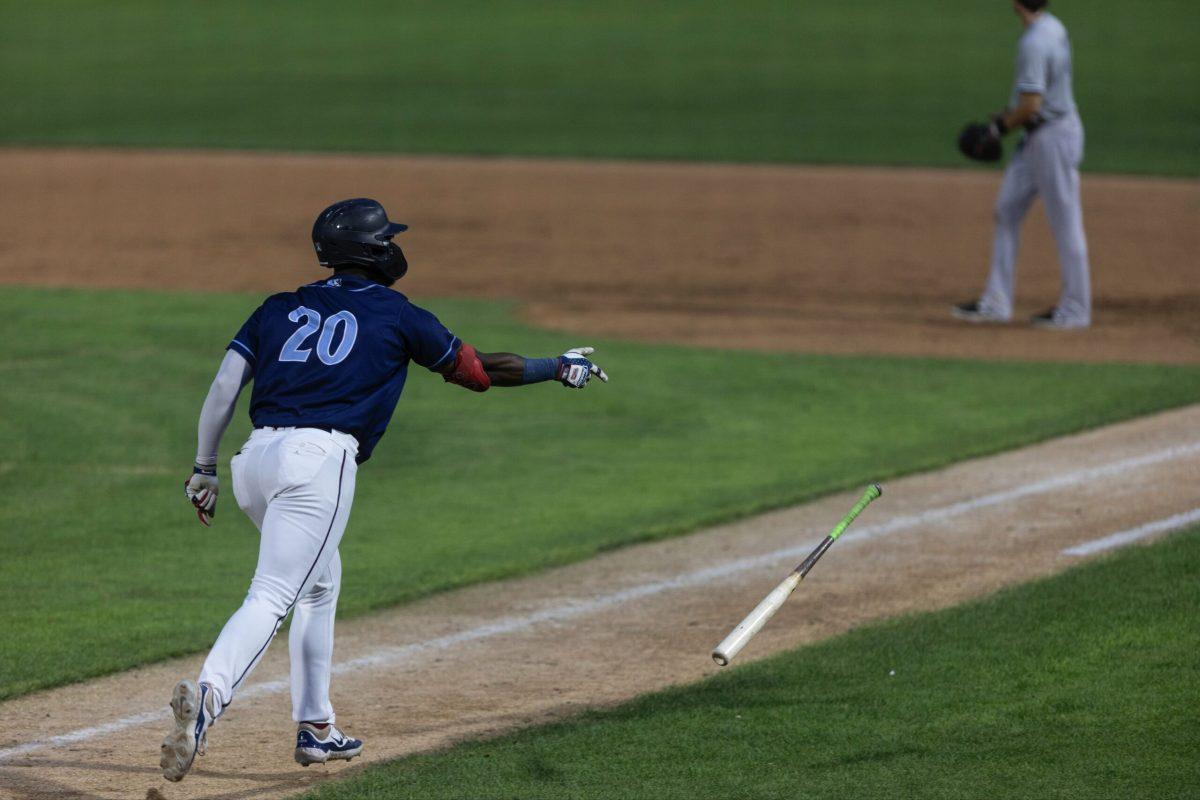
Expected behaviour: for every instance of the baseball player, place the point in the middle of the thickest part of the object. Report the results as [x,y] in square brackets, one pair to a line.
[1046,164]
[329,362]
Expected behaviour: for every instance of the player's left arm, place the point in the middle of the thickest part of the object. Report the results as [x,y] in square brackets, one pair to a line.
[479,371]
[1032,69]
[434,347]
[1028,108]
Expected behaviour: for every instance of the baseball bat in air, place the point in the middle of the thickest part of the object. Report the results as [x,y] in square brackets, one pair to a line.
[752,624]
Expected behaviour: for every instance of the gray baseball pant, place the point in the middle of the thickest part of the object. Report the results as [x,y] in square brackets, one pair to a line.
[1045,165]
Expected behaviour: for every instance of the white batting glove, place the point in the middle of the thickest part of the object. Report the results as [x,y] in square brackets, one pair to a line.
[575,369]
[201,489]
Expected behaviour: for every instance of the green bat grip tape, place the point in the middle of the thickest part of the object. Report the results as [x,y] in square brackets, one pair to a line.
[873,491]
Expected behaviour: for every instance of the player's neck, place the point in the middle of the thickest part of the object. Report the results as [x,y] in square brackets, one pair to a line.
[1030,17]
[356,272]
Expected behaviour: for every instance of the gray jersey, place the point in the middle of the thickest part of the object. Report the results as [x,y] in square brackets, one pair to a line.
[1044,67]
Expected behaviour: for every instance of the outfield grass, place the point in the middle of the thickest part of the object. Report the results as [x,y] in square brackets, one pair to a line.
[103,566]
[1078,686]
[868,81]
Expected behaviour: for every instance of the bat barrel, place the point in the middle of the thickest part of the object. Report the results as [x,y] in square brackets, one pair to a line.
[752,624]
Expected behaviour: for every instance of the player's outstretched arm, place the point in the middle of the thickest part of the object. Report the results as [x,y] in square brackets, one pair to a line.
[202,487]
[478,371]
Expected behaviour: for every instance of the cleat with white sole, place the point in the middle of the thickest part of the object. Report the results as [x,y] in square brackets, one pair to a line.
[194,709]
[317,746]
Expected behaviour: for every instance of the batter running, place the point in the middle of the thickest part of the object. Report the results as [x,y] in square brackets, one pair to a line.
[1046,164]
[328,362]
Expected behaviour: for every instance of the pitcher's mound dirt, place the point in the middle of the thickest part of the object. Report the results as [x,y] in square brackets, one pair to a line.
[781,258]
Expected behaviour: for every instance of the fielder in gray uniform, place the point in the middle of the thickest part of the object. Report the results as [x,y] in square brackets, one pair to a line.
[1045,164]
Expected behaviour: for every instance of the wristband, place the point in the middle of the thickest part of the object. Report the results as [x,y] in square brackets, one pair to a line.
[205,469]
[539,369]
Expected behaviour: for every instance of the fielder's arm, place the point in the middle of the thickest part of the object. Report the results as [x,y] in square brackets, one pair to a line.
[1029,106]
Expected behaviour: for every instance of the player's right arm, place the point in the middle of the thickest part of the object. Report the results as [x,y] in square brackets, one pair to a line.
[202,487]
[236,370]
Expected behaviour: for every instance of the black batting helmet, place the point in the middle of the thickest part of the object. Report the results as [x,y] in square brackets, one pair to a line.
[357,233]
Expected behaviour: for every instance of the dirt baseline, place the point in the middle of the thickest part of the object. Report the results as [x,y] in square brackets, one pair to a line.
[779,258]
[491,658]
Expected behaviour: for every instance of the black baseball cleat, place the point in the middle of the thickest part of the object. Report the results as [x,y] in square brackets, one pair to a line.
[972,312]
[1052,320]
[1044,319]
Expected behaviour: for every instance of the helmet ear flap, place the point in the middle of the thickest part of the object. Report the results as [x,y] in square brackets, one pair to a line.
[393,263]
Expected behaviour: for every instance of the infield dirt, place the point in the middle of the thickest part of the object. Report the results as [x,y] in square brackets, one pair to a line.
[809,259]
[803,259]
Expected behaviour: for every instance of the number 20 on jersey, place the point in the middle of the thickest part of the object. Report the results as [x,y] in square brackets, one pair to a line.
[294,349]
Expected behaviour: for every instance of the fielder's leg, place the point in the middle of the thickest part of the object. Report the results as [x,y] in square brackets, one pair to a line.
[310,646]
[1056,160]
[1017,193]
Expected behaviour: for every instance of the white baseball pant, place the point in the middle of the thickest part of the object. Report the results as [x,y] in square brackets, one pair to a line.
[297,486]
[1046,166]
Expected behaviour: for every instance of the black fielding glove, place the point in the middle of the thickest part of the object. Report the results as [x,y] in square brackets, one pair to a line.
[980,142]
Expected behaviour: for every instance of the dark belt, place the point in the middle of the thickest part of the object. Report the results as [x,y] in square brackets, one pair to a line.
[326,428]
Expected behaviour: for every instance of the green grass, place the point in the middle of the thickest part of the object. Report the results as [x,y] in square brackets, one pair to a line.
[1079,686]
[870,81]
[102,565]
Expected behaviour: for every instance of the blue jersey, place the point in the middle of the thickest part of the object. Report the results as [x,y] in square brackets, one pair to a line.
[335,353]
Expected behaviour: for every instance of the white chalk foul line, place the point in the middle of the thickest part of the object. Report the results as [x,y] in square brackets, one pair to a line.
[1027,490]
[1172,523]
[566,610]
